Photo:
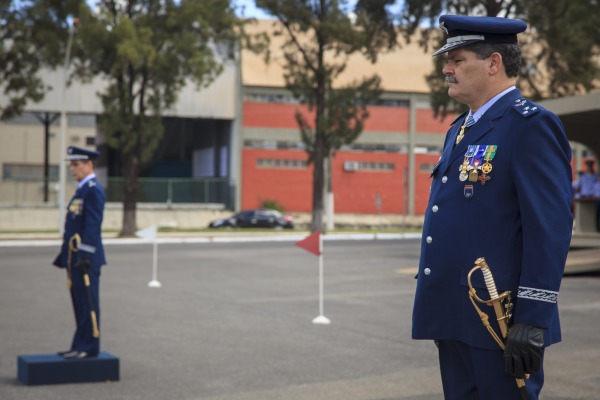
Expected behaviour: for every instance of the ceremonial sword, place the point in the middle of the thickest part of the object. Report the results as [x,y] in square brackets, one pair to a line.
[74,248]
[502,308]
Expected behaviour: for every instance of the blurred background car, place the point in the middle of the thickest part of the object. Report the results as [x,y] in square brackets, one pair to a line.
[257,218]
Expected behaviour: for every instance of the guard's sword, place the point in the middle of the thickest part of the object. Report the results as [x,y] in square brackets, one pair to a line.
[74,248]
[496,300]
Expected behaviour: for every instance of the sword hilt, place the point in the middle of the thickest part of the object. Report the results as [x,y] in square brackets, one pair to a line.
[491,287]
[487,277]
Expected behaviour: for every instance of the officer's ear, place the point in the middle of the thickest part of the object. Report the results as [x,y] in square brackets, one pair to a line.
[495,63]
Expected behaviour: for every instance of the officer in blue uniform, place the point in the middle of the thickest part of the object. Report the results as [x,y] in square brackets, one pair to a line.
[501,190]
[82,252]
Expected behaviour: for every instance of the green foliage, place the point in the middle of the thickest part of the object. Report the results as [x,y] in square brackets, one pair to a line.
[147,51]
[345,113]
[272,204]
[570,36]
[33,34]
[562,43]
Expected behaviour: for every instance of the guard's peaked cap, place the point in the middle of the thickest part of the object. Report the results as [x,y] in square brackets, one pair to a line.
[77,153]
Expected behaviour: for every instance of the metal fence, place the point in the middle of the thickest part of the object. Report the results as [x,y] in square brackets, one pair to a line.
[174,190]
[150,190]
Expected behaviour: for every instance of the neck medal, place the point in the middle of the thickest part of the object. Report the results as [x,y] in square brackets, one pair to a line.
[461,134]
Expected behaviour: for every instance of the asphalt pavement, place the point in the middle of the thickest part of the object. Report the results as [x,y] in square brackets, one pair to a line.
[233,321]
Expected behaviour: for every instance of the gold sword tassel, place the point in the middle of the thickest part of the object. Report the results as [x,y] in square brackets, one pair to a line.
[73,248]
[95,331]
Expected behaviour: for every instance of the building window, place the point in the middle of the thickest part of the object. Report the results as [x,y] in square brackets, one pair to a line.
[426,167]
[270,144]
[28,172]
[368,166]
[365,147]
[271,98]
[289,99]
[392,148]
[90,141]
[281,163]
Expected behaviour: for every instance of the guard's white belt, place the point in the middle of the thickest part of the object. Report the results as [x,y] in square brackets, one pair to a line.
[87,248]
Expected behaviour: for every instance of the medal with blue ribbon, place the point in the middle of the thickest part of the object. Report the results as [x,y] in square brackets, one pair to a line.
[466,166]
[476,162]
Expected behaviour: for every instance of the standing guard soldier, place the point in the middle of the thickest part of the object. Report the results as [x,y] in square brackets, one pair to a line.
[82,253]
[501,190]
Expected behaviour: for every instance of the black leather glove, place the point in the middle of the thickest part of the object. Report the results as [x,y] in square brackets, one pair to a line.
[524,350]
[83,264]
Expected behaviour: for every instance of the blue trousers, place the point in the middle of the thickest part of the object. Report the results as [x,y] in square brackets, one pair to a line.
[470,373]
[83,339]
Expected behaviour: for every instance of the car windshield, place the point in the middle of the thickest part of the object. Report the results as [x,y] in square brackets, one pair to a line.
[269,213]
[244,215]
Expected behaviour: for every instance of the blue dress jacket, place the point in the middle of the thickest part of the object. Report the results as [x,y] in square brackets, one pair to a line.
[518,216]
[84,217]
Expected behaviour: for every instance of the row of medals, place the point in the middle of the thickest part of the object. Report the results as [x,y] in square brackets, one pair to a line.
[477,158]
[76,207]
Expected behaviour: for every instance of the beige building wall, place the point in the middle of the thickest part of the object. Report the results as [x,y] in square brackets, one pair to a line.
[22,143]
[402,70]
[22,138]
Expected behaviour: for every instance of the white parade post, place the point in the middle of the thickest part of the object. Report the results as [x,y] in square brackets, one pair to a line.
[149,234]
[154,282]
[321,319]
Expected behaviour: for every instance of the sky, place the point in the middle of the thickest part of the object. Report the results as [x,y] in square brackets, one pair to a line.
[250,9]
[247,8]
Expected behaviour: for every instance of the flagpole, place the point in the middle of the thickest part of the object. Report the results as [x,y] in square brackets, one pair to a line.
[321,319]
[149,235]
[154,282]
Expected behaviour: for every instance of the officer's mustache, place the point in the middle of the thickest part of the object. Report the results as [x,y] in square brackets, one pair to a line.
[451,79]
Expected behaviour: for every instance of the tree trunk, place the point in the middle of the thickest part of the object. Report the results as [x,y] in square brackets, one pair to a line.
[318,172]
[317,208]
[130,192]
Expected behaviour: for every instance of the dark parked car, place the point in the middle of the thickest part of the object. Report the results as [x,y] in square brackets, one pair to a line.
[258,218]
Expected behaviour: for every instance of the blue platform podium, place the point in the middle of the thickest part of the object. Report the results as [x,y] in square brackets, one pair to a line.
[45,369]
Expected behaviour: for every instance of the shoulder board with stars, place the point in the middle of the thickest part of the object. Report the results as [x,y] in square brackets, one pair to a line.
[525,107]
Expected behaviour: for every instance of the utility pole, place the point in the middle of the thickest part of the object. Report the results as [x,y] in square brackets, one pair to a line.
[62,169]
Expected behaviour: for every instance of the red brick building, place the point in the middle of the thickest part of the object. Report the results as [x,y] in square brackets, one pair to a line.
[371,175]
